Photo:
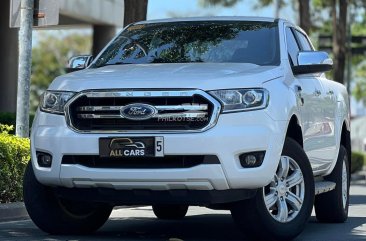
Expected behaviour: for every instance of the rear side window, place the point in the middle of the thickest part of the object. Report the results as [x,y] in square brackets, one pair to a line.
[292,46]
[305,44]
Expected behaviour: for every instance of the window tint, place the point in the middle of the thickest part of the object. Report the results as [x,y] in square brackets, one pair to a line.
[303,41]
[187,42]
[292,46]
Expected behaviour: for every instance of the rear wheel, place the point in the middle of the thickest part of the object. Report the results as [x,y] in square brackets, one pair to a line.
[170,211]
[280,210]
[332,207]
[58,216]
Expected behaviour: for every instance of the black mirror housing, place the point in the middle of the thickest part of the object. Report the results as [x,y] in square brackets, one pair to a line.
[311,69]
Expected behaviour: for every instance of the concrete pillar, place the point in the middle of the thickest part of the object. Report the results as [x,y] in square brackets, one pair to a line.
[102,34]
[8,61]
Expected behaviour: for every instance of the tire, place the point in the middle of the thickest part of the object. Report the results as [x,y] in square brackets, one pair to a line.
[170,212]
[332,207]
[56,216]
[274,223]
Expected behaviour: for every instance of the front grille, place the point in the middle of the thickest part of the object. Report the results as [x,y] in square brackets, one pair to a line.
[175,111]
[94,161]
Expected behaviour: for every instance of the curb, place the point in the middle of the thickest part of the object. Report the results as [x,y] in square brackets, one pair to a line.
[17,211]
[12,212]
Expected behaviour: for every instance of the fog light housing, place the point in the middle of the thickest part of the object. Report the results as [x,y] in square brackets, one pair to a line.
[252,159]
[44,159]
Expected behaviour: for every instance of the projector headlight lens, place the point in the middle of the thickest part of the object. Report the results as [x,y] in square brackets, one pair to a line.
[54,101]
[242,99]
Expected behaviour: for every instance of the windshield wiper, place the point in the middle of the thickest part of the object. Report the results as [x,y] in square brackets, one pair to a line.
[116,63]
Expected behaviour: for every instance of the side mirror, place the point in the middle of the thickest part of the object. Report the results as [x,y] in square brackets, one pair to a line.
[312,62]
[78,63]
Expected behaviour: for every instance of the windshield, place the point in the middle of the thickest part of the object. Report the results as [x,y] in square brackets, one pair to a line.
[188,42]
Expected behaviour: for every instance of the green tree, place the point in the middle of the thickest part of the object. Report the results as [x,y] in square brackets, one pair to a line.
[337,10]
[225,3]
[135,10]
[359,91]
[339,20]
[49,58]
[304,8]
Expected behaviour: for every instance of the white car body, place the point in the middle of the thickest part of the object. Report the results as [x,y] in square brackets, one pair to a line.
[228,113]
[230,134]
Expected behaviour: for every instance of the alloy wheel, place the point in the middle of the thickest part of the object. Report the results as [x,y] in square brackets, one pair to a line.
[285,194]
[344,184]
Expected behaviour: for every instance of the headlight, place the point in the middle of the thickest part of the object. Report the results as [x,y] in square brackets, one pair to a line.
[242,99]
[54,101]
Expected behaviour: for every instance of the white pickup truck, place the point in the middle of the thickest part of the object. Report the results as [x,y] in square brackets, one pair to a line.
[226,112]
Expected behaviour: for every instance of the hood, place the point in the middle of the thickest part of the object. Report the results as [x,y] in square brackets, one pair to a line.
[205,76]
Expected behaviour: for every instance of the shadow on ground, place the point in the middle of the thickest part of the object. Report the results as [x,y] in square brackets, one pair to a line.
[193,228]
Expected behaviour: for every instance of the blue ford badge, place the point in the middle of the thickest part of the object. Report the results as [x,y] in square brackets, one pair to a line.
[138,111]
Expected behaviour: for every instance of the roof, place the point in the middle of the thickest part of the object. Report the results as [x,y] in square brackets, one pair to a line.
[218,18]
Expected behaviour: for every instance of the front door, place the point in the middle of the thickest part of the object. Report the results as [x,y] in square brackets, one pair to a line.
[310,88]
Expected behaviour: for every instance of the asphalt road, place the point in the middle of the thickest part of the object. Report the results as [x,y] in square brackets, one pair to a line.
[140,224]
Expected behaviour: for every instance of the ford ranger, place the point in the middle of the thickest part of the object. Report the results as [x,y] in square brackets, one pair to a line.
[230,113]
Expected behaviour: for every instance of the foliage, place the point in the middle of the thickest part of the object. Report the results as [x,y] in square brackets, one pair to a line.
[10,119]
[359,90]
[266,3]
[49,58]
[230,3]
[14,156]
[225,3]
[358,161]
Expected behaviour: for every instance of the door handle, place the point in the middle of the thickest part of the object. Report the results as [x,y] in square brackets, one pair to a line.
[298,94]
[317,92]
[298,88]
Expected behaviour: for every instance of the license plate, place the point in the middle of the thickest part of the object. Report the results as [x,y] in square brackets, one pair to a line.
[131,147]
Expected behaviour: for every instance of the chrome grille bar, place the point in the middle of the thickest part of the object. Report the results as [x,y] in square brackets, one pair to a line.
[99,108]
[87,117]
[186,107]
[168,115]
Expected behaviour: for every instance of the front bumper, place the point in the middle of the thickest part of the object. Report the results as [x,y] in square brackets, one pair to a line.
[153,197]
[234,134]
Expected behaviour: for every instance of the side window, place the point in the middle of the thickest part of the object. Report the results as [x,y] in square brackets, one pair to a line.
[304,41]
[292,46]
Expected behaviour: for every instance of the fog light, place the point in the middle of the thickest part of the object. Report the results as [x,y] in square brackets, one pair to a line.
[44,159]
[252,159]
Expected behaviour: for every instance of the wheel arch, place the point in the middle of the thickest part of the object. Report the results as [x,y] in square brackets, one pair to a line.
[346,141]
[294,130]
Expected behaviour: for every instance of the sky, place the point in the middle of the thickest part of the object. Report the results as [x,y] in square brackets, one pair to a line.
[189,8]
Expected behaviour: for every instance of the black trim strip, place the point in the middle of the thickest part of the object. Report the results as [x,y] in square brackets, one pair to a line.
[149,197]
[169,161]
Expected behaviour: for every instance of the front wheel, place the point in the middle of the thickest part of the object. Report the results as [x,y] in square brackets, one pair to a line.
[280,210]
[57,216]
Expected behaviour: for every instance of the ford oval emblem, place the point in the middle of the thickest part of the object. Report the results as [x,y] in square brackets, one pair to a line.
[138,111]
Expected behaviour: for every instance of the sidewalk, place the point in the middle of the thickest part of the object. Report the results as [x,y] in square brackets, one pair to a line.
[16,211]
[12,212]
[360,175]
